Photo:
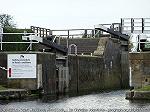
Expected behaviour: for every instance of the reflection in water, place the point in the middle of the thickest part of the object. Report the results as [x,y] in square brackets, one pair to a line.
[101,101]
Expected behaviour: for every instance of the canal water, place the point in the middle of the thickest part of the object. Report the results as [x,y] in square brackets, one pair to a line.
[113,101]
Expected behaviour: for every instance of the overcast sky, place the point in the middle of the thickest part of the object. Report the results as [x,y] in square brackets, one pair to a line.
[65,14]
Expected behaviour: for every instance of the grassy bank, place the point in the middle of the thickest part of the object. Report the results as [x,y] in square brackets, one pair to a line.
[2,88]
[145,88]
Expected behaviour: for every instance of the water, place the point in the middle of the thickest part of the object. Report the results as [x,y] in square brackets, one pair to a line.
[108,101]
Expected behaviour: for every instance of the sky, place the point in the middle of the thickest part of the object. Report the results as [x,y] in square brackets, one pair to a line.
[68,14]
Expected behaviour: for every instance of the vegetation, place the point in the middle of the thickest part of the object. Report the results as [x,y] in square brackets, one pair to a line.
[14,38]
[2,88]
[6,21]
[8,25]
[145,88]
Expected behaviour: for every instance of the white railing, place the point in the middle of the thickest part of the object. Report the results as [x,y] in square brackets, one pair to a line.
[137,43]
[1,36]
[75,47]
[30,37]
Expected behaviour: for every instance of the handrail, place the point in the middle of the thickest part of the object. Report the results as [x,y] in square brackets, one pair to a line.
[137,43]
[69,50]
[24,33]
[72,29]
[17,33]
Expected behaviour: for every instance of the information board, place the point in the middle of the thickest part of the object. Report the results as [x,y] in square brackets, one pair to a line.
[21,65]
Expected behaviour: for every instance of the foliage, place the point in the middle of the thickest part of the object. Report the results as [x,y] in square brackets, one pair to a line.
[6,21]
[2,88]
[14,38]
[145,88]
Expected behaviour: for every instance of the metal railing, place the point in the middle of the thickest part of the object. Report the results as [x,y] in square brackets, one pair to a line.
[135,25]
[15,42]
[65,33]
[138,43]
[75,49]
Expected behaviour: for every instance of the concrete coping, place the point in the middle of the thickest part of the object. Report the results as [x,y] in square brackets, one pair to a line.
[13,90]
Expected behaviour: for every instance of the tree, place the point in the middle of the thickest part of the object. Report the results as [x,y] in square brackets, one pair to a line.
[6,21]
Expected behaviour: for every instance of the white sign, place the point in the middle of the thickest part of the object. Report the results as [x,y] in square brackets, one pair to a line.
[21,65]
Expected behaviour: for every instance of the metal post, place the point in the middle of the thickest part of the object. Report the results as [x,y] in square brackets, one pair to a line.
[1,42]
[77,73]
[67,59]
[59,40]
[132,25]
[40,30]
[75,47]
[25,32]
[68,39]
[31,45]
[1,38]
[142,25]
[130,77]
[139,43]
[85,33]
[121,26]
[95,33]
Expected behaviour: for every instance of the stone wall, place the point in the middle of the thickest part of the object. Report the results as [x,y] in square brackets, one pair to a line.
[3,73]
[140,72]
[84,45]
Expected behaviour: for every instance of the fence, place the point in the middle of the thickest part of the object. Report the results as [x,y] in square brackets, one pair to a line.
[66,33]
[140,43]
[135,25]
[15,42]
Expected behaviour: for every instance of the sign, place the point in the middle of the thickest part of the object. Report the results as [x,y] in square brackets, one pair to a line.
[21,65]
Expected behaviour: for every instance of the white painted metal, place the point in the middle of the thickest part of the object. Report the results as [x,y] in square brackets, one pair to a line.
[69,50]
[19,42]
[54,39]
[136,24]
[1,37]
[18,33]
[32,37]
[130,77]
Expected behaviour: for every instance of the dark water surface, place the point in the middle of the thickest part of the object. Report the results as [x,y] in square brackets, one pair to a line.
[107,101]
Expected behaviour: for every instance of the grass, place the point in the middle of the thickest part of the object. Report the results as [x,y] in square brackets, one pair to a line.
[145,88]
[2,88]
